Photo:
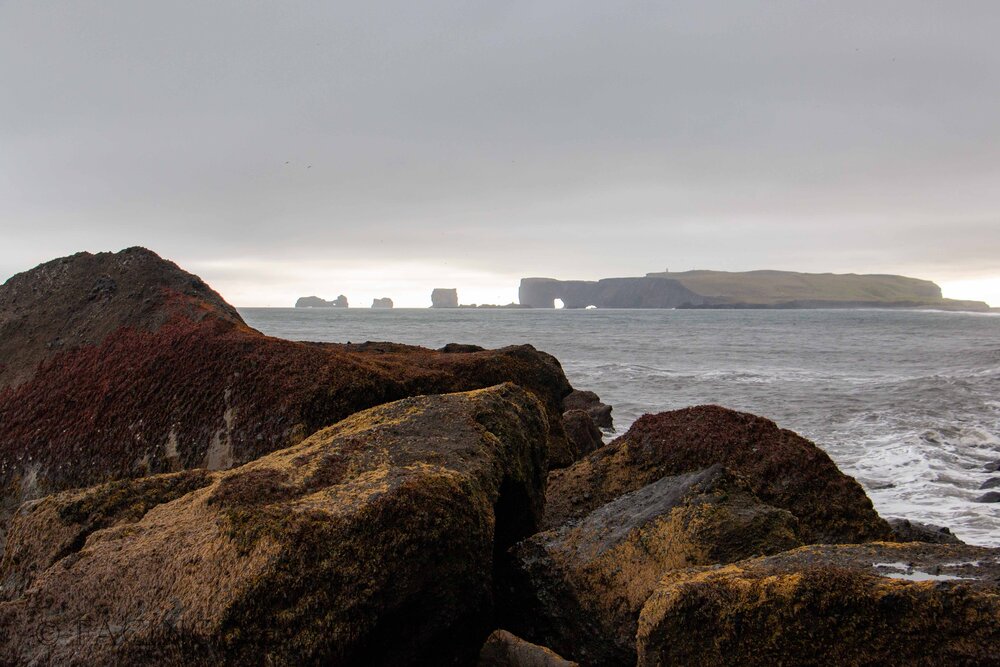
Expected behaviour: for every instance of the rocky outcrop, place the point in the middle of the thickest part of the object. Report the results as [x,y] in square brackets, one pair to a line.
[80,300]
[444,298]
[784,470]
[607,293]
[502,649]
[872,604]
[371,542]
[384,302]
[582,433]
[316,302]
[590,403]
[750,289]
[163,376]
[904,530]
[579,588]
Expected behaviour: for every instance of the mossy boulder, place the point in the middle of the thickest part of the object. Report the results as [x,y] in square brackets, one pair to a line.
[873,604]
[784,470]
[370,543]
[579,588]
[122,365]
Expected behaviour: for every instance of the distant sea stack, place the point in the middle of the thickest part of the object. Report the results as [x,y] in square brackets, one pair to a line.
[444,298]
[316,302]
[384,302]
[750,289]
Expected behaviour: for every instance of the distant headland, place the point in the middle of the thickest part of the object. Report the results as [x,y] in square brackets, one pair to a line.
[749,289]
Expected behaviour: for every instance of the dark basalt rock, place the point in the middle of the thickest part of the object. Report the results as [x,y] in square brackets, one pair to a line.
[989,497]
[991,483]
[905,530]
[784,470]
[581,432]
[160,375]
[81,299]
[589,402]
[370,543]
[872,604]
[502,649]
[579,588]
[384,302]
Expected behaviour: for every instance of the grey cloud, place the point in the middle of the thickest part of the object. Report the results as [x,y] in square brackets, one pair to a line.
[840,136]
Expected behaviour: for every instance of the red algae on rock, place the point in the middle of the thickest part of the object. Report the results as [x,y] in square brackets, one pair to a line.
[149,371]
[784,470]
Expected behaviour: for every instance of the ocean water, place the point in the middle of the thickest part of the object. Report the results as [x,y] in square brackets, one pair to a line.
[908,402]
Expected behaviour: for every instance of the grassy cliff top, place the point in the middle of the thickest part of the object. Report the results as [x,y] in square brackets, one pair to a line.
[770,287]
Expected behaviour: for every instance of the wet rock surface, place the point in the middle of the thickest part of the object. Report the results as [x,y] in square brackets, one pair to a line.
[582,433]
[579,588]
[784,470]
[905,530]
[590,403]
[871,604]
[370,543]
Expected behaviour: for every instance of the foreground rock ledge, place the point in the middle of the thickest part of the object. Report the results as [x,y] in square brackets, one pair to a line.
[872,604]
[579,588]
[370,543]
[120,365]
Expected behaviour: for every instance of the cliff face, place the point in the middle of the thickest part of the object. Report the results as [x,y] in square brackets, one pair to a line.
[650,292]
[751,289]
[444,298]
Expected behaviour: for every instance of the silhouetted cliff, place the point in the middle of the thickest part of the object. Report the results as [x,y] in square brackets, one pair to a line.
[751,289]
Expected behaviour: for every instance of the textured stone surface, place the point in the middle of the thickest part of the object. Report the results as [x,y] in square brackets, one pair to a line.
[873,604]
[502,649]
[158,374]
[579,588]
[370,543]
[784,470]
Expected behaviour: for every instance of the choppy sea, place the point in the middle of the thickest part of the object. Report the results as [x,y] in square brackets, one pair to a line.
[908,402]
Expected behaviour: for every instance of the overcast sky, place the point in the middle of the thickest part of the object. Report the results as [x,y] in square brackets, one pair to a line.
[381,149]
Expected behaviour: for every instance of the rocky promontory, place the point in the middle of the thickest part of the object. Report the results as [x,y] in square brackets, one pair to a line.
[749,289]
[316,302]
[179,489]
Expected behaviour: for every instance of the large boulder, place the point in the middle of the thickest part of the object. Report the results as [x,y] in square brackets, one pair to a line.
[590,403]
[872,604]
[119,365]
[784,470]
[579,588]
[581,432]
[370,543]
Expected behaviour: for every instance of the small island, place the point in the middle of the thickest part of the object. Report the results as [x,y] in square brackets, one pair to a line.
[384,302]
[316,302]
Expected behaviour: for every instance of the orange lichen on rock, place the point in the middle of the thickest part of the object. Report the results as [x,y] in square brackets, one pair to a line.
[371,542]
[871,604]
[125,366]
[784,470]
[579,588]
